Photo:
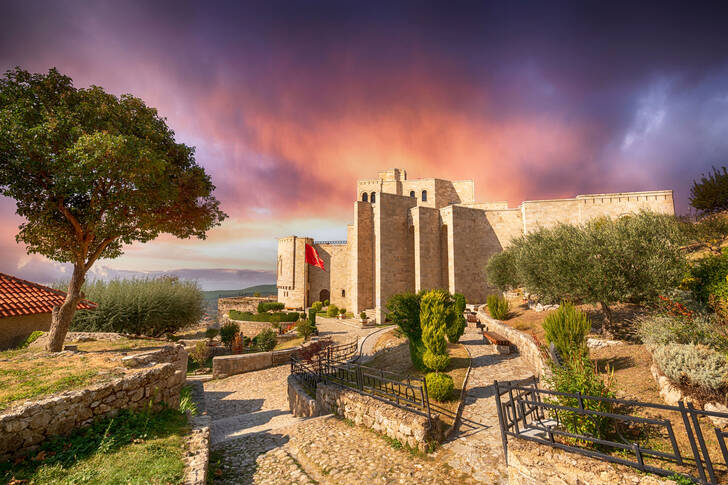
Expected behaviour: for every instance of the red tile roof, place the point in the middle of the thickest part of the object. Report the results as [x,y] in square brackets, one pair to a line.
[20,297]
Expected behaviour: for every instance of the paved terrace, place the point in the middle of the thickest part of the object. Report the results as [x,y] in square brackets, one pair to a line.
[262,443]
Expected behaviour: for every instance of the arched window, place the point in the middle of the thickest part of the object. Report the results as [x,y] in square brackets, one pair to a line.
[412,193]
[424,196]
[364,197]
[373,198]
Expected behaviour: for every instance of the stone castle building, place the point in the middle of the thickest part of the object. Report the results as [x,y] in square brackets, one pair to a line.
[410,235]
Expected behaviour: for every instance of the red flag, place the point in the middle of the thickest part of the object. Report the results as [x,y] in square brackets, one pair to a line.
[313,258]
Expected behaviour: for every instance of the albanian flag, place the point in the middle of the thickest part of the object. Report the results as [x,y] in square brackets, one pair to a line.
[313,258]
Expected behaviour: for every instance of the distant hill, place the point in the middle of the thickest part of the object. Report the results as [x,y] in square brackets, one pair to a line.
[211,296]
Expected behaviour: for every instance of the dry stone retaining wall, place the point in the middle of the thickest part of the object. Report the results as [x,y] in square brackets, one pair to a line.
[24,427]
[535,464]
[240,303]
[301,404]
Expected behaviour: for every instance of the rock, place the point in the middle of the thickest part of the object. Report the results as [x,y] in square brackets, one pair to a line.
[717,407]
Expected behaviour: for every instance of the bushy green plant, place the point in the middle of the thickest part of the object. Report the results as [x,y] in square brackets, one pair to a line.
[228,331]
[200,353]
[312,316]
[264,317]
[567,328]
[498,307]
[696,365]
[332,311]
[31,338]
[342,311]
[211,333]
[436,309]
[439,386]
[456,325]
[403,310]
[147,306]
[363,315]
[579,375]
[317,306]
[266,340]
[326,302]
[305,328]
[702,329]
[266,306]
[186,403]
[604,261]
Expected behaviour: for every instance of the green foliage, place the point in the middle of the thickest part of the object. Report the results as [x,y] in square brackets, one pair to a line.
[317,306]
[605,261]
[710,194]
[132,447]
[437,308]
[567,328]
[498,307]
[662,329]
[211,333]
[579,375]
[709,232]
[266,340]
[264,317]
[200,353]
[326,302]
[332,311]
[681,479]
[312,317]
[417,351]
[708,277]
[439,386]
[141,306]
[305,328]
[696,365]
[363,315]
[266,306]
[228,331]
[31,338]
[456,325]
[404,311]
[186,403]
[342,311]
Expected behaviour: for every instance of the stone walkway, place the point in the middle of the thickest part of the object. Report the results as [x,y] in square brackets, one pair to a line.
[477,448]
[260,442]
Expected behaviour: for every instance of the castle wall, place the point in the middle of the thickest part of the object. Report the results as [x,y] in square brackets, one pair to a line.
[547,213]
[617,205]
[465,190]
[393,249]
[418,186]
[362,258]
[292,271]
[335,278]
[506,223]
[428,272]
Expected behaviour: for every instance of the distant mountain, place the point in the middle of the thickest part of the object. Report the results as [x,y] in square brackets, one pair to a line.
[211,296]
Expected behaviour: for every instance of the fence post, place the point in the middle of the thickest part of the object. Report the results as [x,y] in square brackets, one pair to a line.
[691,439]
[504,438]
[701,441]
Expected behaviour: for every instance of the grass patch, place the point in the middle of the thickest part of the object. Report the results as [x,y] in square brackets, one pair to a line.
[288,344]
[131,448]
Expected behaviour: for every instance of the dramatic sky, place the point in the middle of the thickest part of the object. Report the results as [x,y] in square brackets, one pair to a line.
[289,103]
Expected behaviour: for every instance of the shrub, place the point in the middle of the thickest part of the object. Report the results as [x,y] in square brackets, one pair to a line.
[696,365]
[228,331]
[579,375]
[498,307]
[266,340]
[312,317]
[457,324]
[317,306]
[567,328]
[237,345]
[708,277]
[265,306]
[363,315]
[342,311]
[148,306]
[30,339]
[326,302]
[211,333]
[313,349]
[264,317]
[200,353]
[658,330]
[256,294]
[436,309]
[439,386]
[332,311]
[305,328]
[404,311]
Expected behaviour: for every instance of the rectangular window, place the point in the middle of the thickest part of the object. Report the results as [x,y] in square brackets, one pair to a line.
[343,292]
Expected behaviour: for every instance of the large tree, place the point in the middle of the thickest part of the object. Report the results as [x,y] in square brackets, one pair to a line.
[710,194]
[91,172]
[605,261]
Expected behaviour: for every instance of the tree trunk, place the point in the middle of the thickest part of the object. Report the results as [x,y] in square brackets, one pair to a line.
[63,315]
[607,327]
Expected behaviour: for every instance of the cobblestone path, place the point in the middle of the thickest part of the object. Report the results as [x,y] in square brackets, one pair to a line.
[477,449]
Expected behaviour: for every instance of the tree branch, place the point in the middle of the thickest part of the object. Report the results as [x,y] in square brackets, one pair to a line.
[98,252]
[71,218]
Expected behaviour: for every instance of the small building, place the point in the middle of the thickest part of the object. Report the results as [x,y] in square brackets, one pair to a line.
[26,307]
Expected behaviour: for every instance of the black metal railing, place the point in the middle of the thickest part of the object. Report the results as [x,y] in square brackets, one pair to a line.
[332,365]
[640,435]
[330,242]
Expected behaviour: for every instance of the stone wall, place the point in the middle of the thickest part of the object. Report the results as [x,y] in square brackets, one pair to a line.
[14,330]
[292,271]
[536,464]
[249,329]
[229,365]
[301,404]
[428,273]
[362,258]
[399,424]
[335,278]
[239,303]
[527,347]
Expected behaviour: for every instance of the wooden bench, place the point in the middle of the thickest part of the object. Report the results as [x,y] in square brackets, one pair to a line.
[503,346]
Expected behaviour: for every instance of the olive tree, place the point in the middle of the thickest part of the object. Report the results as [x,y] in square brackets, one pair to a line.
[91,172]
[605,261]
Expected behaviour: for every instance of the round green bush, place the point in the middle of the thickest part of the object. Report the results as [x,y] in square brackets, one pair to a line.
[435,362]
[332,311]
[266,340]
[228,332]
[317,306]
[439,386]
[326,302]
